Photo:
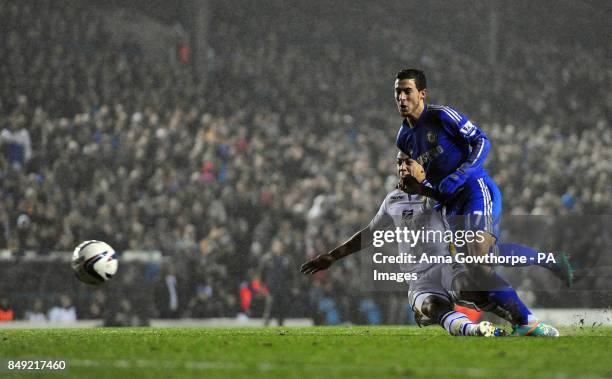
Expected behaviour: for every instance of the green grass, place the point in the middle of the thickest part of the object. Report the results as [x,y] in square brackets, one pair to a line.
[322,352]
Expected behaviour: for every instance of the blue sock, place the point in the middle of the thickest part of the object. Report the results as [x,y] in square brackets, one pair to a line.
[503,295]
[514,250]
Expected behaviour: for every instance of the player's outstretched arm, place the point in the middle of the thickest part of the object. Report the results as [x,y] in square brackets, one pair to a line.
[316,264]
[324,261]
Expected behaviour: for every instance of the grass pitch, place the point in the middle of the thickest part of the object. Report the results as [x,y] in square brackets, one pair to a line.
[318,352]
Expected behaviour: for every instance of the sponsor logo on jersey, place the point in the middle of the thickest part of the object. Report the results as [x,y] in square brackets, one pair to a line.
[468,129]
[430,155]
[397,197]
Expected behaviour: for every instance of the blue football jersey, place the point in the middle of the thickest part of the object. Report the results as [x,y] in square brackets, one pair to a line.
[442,141]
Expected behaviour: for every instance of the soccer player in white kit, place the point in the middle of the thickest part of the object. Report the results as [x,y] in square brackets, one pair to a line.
[435,288]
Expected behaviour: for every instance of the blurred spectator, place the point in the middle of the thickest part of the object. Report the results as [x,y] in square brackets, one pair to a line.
[96,307]
[201,305]
[15,142]
[246,296]
[277,272]
[6,310]
[167,293]
[126,315]
[36,313]
[371,311]
[64,312]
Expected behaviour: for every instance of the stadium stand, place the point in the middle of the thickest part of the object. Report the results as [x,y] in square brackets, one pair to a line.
[289,143]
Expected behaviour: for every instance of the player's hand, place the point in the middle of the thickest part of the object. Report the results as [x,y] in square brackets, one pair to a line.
[409,184]
[450,184]
[416,170]
[316,264]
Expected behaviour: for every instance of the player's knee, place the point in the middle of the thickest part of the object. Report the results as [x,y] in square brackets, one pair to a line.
[435,307]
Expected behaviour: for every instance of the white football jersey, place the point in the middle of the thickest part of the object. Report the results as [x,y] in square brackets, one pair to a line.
[413,213]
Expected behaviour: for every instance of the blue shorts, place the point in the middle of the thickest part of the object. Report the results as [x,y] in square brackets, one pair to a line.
[477,207]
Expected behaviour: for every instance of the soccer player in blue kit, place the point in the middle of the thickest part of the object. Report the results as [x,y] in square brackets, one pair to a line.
[452,150]
[433,287]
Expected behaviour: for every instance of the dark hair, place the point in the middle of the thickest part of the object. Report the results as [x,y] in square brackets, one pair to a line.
[412,73]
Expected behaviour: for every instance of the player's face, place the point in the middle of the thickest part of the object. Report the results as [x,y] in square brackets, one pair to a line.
[402,164]
[408,98]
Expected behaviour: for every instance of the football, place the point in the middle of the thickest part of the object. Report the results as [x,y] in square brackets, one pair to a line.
[94,262]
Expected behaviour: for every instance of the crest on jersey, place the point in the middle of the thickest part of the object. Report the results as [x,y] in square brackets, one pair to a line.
[407,214]
[432,137]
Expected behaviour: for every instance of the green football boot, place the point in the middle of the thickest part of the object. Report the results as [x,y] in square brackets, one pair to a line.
[562,268]
[538,329]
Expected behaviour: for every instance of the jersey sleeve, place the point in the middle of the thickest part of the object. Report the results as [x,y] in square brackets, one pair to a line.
[382,219]
[459,126]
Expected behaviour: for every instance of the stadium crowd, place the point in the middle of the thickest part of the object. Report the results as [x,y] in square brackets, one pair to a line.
[283,152]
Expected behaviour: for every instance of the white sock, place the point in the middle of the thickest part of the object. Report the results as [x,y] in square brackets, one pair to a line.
[531,319]
[458,324]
